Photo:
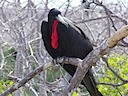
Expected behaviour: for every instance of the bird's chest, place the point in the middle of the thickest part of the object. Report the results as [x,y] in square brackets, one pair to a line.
[54,50]
[59,51]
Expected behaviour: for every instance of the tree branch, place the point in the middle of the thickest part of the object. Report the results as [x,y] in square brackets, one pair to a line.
[26,79]
[83,66]
[92,58]
[113,85]
[27,85]
[119,35]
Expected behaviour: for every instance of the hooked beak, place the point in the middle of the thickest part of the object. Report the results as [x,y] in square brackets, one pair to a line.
[60,18]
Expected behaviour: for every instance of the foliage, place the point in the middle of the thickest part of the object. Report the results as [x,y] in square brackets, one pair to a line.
[8,64]
[119,63]
[4,85]
[7,68]
[75,94]
[52,75]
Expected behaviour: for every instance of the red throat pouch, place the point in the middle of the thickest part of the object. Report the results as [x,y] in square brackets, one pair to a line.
[54,36]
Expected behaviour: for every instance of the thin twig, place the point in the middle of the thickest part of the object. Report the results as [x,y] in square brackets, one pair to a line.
[106,61]
[113,85]
[26,79]
[92,58]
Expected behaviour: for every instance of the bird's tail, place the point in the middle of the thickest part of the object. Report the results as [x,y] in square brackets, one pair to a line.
[90,84]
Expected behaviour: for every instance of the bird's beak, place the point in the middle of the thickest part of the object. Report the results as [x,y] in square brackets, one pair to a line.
[61,19]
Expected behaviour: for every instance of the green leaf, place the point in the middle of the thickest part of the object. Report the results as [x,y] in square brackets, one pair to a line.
[74,93]
[11,83]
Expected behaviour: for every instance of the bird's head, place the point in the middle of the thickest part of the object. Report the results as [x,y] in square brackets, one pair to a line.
[53,13]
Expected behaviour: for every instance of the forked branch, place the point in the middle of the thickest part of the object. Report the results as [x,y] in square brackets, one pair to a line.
[83,66]
[95,55]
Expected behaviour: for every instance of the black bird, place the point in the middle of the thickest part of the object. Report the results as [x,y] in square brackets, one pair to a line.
[62,38]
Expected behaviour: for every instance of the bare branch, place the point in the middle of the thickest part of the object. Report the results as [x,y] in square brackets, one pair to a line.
[26,79]
[92,58]
[103,17]
[119,35]
[15,79]
[83,66]
[113,85]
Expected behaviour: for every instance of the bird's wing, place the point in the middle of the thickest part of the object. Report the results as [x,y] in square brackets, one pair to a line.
[46,37]
[72,38]
[44,29]
[67,22]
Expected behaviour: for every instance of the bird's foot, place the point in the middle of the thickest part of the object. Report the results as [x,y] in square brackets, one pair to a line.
[60,60]
[54,61]
[63,60]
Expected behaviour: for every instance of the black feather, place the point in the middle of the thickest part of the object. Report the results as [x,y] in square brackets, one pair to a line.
[72,43]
